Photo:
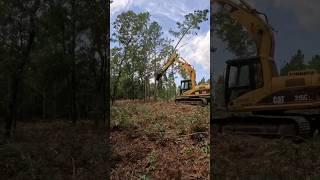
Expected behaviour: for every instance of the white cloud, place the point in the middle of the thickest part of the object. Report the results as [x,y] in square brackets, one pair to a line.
[197,51]
[170,9]
[174,10]
[120,5]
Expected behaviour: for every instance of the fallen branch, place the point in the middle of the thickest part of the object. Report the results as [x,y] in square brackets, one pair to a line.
[181,136]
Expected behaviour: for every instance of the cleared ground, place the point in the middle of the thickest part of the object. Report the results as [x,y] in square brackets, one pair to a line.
[159,140]
[262,158]
[154,140]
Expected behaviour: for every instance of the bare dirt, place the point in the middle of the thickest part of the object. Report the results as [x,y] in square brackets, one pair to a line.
[159,140]
[250,157]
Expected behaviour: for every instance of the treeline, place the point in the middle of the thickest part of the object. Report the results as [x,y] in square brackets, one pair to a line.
[53,59]
[138,50]
[298,62]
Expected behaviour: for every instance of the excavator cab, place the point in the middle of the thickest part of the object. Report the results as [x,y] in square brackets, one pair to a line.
[185,86]
[242,76]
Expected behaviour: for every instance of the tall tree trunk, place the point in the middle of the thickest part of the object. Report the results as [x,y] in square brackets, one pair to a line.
[144,90]
[16,78]
[73,97]
[12,113]
[55,100]
[132,86]
[116,82]
[73,68]
[106,90]
[44,102]
[115,88]
[155,90]
[105,87]
[101,101]
[148,91]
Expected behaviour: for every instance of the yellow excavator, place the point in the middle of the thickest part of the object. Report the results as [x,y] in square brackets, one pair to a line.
[258,101]
[190,92]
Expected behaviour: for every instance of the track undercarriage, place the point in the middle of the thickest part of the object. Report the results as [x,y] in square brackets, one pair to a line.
[202,101]
[279,125]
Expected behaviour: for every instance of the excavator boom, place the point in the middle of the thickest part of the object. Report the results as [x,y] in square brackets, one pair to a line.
[174,58]
[190,70]
[167,64]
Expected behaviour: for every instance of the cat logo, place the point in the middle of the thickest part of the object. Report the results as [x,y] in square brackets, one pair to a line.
[278,99]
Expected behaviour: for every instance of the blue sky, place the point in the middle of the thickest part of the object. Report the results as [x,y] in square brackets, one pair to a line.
[167,13]
[298,26]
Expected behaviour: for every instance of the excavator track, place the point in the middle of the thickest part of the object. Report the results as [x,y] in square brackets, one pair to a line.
[263,125]
[192,101]
[304,126]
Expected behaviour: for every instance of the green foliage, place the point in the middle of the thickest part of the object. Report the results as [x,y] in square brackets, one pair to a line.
[197,121]
[157,130]
[205,147]
[233,34]
[136,58]
[296,63]
[143,177]
[182,72]
[152,157]
[161,129]
[203,80]
[315,63]
[190,23]
[64,59]
[121,118]
[189,151]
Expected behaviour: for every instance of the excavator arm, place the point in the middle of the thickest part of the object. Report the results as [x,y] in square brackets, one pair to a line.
[186,66]
[258,29]
[165,67]
[189,69]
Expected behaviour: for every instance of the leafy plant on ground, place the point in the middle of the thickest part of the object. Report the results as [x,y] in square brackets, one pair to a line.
[189,151]
[205,147]
[156,131]
[121,118]
[160,129]
[143,177]
[197,124]
[152,159]
[182,131]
